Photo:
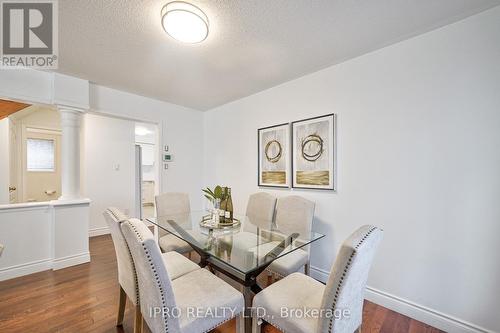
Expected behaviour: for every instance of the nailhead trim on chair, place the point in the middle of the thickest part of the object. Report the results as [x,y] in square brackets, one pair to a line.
[148,255]
[348,266]
[137,300]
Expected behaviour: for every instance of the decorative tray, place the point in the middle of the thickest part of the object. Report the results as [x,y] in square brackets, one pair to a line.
[207,222]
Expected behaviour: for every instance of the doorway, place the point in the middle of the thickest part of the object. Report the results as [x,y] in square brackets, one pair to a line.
[146,137]
[34,154]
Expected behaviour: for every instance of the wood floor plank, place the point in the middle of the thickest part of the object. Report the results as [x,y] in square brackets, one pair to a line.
[85,298]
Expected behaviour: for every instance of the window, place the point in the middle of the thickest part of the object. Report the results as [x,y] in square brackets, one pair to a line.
[40,155]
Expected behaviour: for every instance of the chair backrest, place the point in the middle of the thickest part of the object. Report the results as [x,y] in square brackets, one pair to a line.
[118,214]
[260,209]
[294,214]
[155,288]
[172,203]
[126,269]
[344,292]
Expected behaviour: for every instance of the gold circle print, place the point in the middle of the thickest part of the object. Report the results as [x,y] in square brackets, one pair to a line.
[273,158]
[312,147]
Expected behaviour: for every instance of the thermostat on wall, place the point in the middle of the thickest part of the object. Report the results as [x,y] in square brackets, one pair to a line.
[168,157]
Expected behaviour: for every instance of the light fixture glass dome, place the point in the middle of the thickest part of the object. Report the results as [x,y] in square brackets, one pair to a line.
[184,22]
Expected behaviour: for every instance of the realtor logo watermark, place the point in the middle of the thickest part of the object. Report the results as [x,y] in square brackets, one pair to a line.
[29,34]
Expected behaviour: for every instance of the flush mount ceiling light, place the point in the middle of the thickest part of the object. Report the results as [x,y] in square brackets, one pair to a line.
[184,22]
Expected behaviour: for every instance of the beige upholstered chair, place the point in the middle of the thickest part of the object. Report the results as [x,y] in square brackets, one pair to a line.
[339,303]
[294,214]
[165,304]
[170,204]
[260,209]
[177,263]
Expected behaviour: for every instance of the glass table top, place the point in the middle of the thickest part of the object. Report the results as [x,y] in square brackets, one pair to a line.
[247,246]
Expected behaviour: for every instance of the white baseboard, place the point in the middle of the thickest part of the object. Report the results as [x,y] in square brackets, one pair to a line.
[415,311]
[68,261]
[98,231]
[421,313]
[25,269]
[319,274]
[12,272]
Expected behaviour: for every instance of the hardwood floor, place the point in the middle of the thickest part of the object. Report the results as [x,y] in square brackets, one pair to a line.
[85,298]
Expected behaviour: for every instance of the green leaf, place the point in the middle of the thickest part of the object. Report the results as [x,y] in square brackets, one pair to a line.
[218,192]
[210,191]
[209,198]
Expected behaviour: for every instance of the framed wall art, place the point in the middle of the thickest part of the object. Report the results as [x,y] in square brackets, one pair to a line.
[274,156]
[313,150]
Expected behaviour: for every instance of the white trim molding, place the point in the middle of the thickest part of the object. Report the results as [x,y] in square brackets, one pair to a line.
[69,261]
[319,274]
[413,310]
[421,313]
[98,231]
[43,265]
[25,269]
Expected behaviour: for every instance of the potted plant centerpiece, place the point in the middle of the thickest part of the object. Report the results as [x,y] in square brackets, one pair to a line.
[222,203]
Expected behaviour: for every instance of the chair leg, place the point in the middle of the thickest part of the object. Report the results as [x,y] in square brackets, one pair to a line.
[256,327]
[270,278]
[189,255]
[240,323]
[307,269]
[121,307]
[138,319]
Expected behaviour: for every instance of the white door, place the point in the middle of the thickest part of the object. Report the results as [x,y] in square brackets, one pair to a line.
[41,165]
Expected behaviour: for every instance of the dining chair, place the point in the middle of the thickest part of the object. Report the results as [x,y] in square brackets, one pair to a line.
[166,303]
[339,304]
[127,279]
[260,209]
[170,204]
[294,214]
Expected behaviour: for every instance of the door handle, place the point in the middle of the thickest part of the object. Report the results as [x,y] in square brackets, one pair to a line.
[12,188]
[50,192]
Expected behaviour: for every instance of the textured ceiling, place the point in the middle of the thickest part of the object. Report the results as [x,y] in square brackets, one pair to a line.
[253,44]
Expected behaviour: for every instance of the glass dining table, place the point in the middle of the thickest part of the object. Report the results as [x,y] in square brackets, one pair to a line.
[240,250]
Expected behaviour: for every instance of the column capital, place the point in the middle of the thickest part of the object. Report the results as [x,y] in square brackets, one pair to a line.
[70,117]
[71,109]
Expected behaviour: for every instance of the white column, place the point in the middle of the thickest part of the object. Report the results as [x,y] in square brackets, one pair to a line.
[70,152]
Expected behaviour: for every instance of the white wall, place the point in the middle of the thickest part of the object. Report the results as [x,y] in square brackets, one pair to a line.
[418,155]
[181,129]
[43,235]
[19,230]
[108,144]
[39,116]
